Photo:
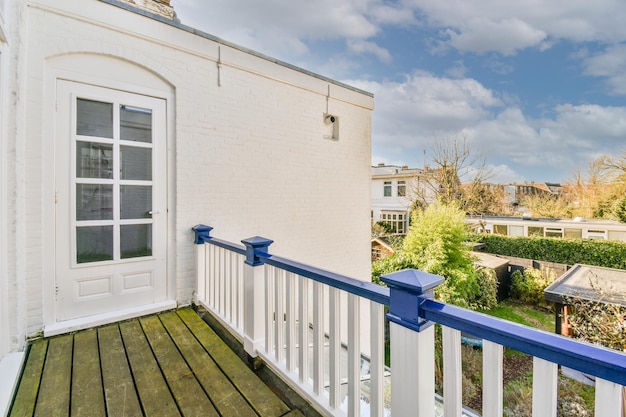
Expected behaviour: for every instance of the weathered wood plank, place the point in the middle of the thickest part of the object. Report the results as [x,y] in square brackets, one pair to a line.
[119,388]
[189,395]
[154,393]
[26,395]
[54,395]
[87,394]
[223,394]
[262,399]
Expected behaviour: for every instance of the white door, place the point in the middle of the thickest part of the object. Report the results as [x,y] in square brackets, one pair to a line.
[110,201]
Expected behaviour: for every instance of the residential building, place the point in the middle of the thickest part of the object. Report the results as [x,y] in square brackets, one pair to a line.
[394,191]
[121,128]
[577,228]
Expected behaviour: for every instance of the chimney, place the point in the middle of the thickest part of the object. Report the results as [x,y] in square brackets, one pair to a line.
[159,7]
[381,164]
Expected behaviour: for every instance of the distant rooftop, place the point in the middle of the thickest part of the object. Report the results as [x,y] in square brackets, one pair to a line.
[544,219]
[591,283]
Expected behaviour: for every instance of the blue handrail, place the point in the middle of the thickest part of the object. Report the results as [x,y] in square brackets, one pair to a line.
[592,359]
[363,289]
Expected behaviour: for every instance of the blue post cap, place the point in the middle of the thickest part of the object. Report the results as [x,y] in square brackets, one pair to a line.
[413,280]
[408,289]
[202,233]
[254,245]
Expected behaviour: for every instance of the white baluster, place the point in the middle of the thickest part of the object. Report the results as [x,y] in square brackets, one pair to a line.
[545,388]
[291,334]
[303,330]
[354,356]
[608,399]
[335,347]
[377,360]
[452,372]
[493,355]
[270,308]
[318,338]
[279,300]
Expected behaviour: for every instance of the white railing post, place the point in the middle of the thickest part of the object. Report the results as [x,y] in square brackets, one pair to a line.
[412,344]
[202,234]
[254,295]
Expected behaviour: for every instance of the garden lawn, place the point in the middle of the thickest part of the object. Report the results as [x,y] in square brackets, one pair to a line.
[525,314]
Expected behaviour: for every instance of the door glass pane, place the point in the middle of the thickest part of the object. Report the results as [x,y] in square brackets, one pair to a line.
[135,124]
[94,202]
[94,160]
[94,244]
[136,163]
[136,240]
[136,201]
[94,118]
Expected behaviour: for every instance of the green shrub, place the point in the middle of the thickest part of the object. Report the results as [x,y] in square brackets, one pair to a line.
[608,254]
[488,283]
[529,285]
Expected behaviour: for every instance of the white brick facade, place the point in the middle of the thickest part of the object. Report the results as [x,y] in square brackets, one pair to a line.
[246,152]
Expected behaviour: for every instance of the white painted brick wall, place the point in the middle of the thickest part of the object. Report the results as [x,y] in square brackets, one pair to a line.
[249,155]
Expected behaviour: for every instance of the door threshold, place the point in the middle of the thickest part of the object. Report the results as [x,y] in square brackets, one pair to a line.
[82,323]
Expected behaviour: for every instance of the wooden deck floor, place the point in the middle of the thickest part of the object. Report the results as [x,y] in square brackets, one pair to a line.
[171,364]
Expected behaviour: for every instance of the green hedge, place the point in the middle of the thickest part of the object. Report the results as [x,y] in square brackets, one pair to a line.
[608,254]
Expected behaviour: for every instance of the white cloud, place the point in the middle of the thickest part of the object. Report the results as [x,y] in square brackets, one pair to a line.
[410,115]
[610,63]
[505,26]
[507,36]
[365,47]
[280,28]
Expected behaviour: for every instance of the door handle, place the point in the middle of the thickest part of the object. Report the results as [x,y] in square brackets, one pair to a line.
[154,211]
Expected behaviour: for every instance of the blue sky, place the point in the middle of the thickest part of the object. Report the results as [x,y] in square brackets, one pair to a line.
[537,87]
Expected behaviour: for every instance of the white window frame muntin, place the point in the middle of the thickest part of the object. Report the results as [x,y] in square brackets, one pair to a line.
[116,142]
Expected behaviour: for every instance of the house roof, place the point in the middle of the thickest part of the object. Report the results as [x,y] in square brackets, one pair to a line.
[384,242]
[489,261]
[591,283]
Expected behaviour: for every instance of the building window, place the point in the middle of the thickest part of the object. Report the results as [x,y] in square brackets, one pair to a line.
[573,233]
[500,229]
[387,189]
[554,232]
[395,220]
[617,235]
[401,188]
[596,234]
[516,230]
[535,231]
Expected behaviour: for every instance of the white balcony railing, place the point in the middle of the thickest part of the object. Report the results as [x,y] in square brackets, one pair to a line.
[306,324]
